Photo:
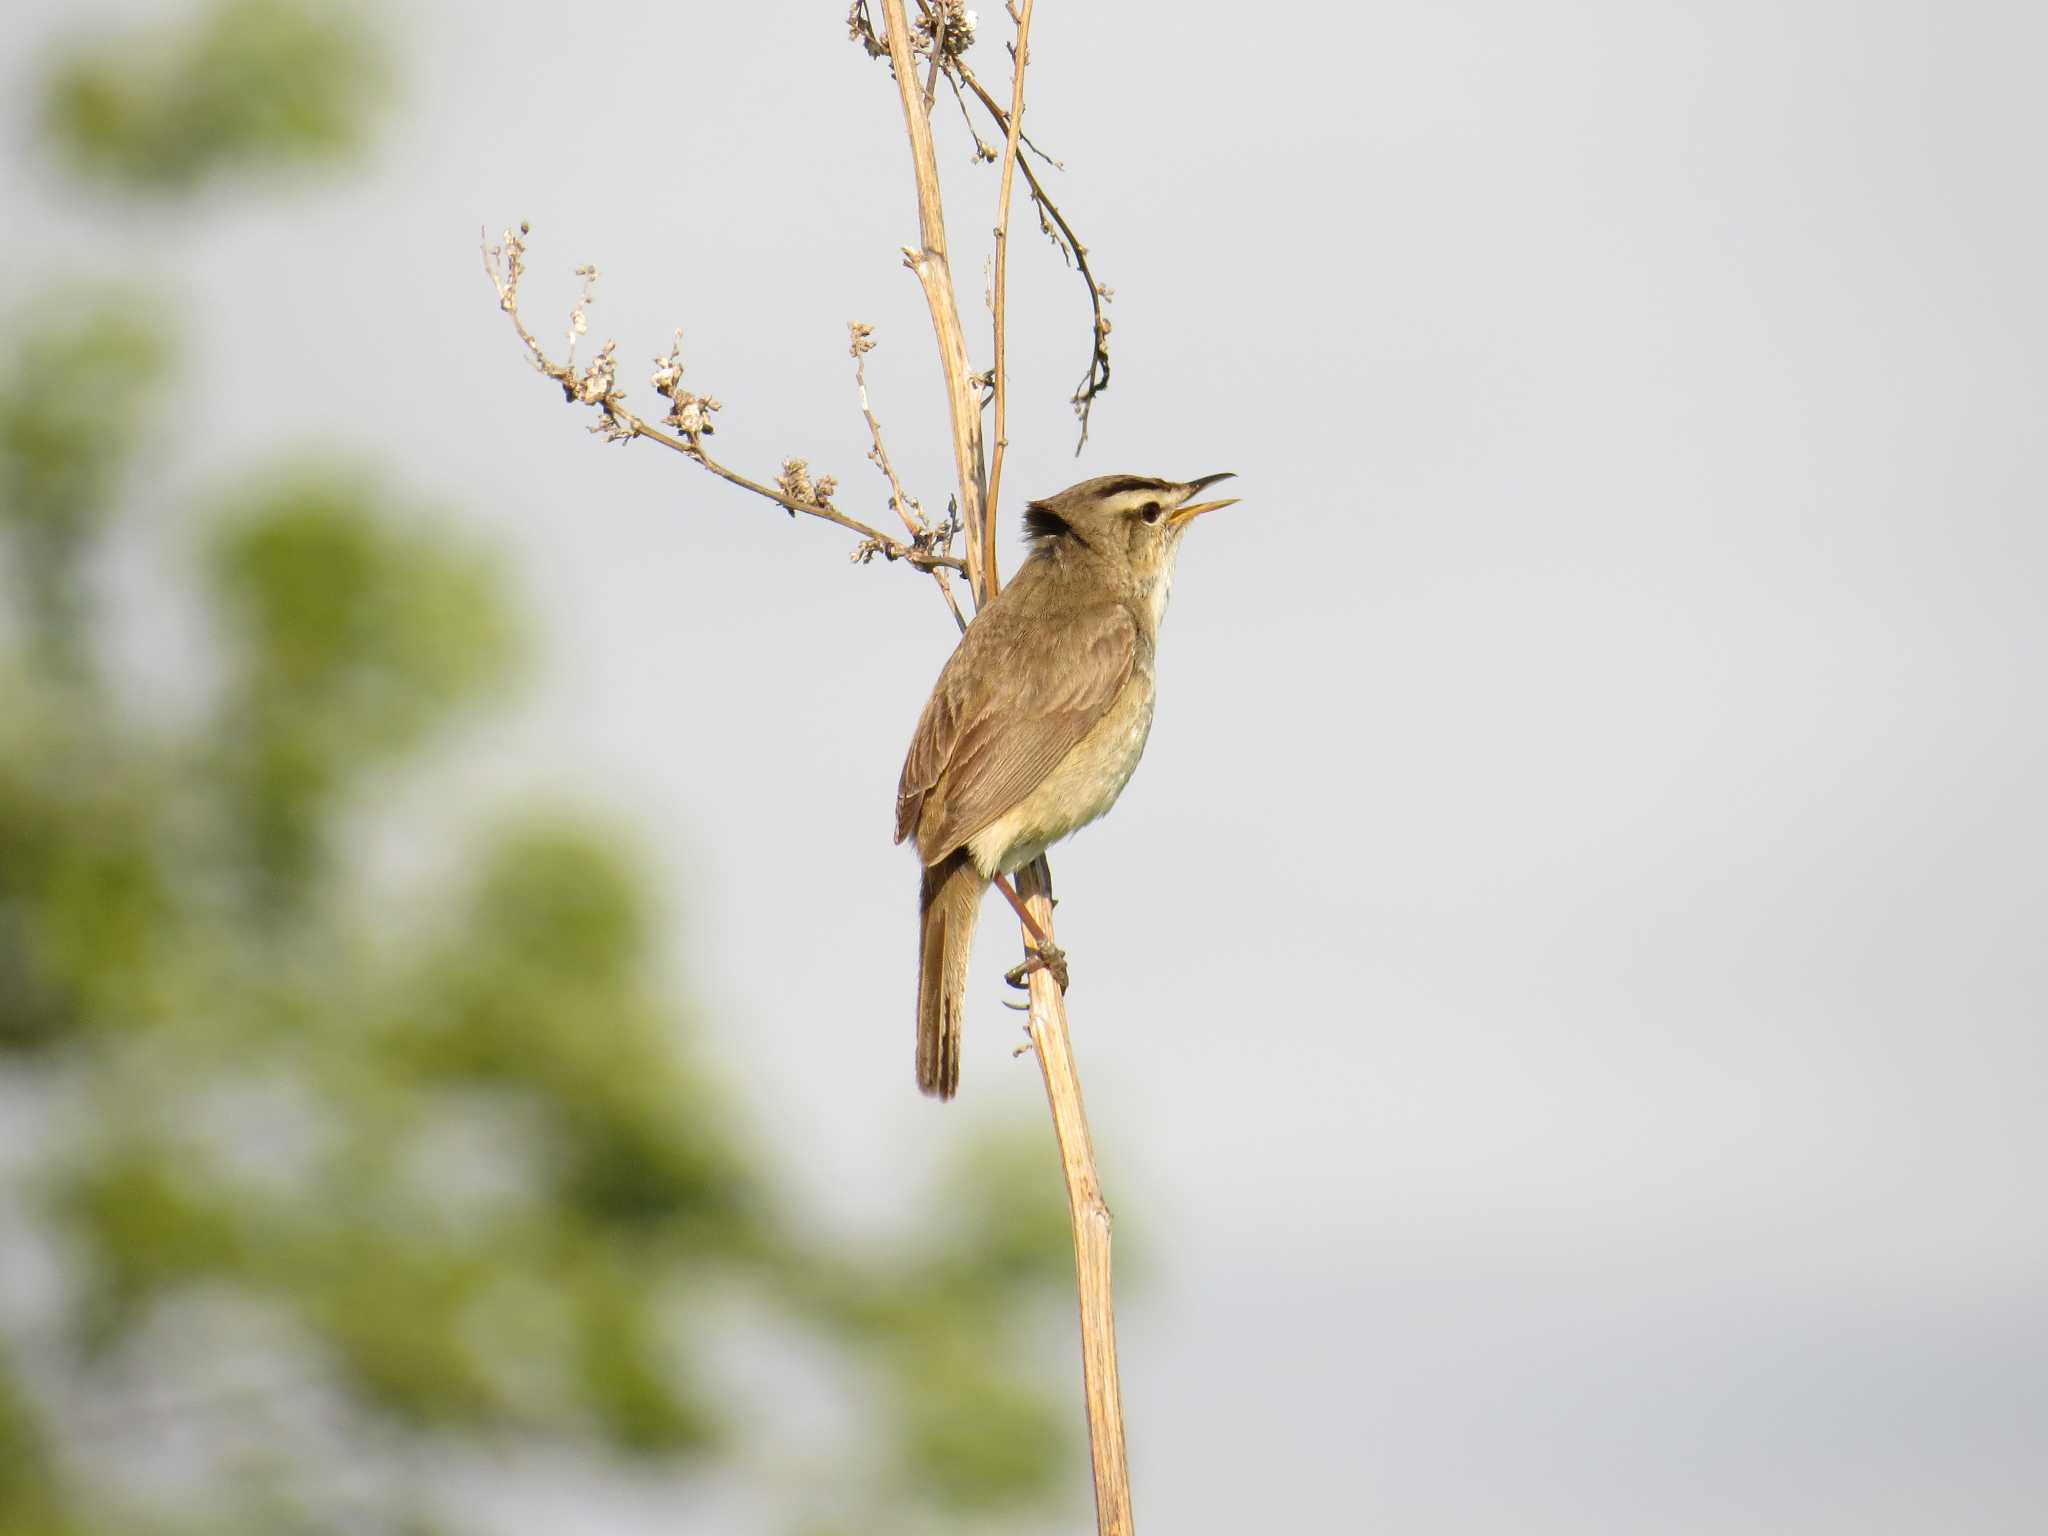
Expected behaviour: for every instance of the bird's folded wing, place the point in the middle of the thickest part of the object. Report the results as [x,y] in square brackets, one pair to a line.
[1012,702]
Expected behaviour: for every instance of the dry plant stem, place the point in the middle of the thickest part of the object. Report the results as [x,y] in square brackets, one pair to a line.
[1002,380]
[1048,1014]
[935,274]
[1089,1216]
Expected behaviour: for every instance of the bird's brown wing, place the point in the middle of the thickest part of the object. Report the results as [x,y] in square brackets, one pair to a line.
[1012,701]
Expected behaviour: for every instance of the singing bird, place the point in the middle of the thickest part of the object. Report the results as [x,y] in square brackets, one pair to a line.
[1037,720]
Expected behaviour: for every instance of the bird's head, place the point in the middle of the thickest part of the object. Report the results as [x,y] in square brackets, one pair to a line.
[1130,523]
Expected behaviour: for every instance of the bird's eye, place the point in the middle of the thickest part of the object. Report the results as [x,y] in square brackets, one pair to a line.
[1150,511]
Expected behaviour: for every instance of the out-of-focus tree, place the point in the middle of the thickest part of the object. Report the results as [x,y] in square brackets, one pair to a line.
[343,1189]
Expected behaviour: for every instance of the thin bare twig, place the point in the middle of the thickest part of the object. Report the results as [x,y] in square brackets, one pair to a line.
[1021,54]
[1028,142]
[597,385]
[931,79]
[981,150]
[862,342]
[1061,233]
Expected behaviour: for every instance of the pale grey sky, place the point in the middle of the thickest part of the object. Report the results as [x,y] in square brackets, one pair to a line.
[1562,1000]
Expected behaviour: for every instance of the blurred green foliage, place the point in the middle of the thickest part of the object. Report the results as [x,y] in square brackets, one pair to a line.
[355,640]
[249,83]
[450,1162]
[32,1501]
[65,388]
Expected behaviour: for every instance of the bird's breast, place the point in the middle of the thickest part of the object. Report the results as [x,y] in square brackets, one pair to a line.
[1082,785]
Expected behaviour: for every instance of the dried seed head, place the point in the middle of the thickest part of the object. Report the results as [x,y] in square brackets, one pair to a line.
[861,29]
[668,371]
[600,381]
[689,414]
[795,482]
[959,22]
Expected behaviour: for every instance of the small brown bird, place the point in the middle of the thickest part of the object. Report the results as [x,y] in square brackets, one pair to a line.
[1038,719]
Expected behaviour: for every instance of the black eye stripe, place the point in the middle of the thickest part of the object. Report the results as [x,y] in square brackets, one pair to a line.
[1117,485]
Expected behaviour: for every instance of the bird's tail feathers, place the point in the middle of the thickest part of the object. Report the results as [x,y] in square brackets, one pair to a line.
[949,904]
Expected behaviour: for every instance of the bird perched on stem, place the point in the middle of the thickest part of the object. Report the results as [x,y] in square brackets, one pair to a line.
[1036,723]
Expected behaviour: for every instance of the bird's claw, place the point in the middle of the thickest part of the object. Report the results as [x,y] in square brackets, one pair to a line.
[1051,959]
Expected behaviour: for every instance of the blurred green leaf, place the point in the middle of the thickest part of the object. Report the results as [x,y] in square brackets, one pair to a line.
[79,384]
[85,916]
[79,388]
[540,989]
[248,83]
[976,1436]
[31,1492]
[557,904]
[150,1223]
[391,1303]
[1008,1205]
[627,1370]
[358,637]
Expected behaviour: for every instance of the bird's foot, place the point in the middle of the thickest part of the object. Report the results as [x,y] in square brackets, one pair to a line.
[1044,957]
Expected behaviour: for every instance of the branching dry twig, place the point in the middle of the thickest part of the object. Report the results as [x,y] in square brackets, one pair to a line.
[690,414]
[862,342]
[1053,223]
[981,150]
[1061,233]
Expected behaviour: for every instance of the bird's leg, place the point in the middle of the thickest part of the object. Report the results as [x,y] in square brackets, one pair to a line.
[1045,955]
[1023,912]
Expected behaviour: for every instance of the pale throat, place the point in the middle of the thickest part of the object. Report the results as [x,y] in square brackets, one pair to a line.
[1161,587]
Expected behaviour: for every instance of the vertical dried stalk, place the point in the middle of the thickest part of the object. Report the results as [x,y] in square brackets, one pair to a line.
[1089,1216]
[1002,297]
[936,275]
[1048,1019]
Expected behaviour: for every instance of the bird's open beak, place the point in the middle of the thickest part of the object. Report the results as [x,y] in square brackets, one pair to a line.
[1180,516]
